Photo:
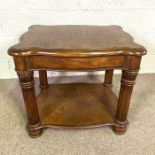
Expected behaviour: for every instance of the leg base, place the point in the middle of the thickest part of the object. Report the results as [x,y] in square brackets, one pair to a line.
[34,131]
[119,130]
[107,85]
[44,86]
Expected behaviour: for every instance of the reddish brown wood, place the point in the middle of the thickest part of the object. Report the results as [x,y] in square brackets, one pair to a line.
[108,77]
[76,41]
[84,63]
[20,63]
[43,79]
[27,85]
[127,82]
[84,48]
[77,105]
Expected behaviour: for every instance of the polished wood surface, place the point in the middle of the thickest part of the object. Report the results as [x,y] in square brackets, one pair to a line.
[76,48]
[127,83]
[76,41]
[77,105]
[86,63]
[27,86]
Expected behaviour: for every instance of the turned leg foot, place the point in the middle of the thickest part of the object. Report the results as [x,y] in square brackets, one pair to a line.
[120,128]
[34,131]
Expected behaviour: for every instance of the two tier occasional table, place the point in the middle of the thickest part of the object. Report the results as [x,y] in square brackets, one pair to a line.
[76,48]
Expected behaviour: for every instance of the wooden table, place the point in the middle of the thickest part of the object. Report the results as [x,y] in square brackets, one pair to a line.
[76,48]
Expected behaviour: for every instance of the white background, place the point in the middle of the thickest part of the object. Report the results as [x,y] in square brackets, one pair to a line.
[135,16]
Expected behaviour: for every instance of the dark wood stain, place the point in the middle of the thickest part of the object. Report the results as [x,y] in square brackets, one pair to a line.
[76,48]
[77,105]
[76,41]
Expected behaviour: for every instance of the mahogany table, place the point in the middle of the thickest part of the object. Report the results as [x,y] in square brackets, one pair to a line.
[76,48]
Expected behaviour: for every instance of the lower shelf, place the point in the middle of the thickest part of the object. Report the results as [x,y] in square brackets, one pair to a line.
[77,105]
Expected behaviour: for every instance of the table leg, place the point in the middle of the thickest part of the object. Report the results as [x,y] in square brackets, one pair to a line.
[43,79]
[127,83]
[108,77]
[27,86]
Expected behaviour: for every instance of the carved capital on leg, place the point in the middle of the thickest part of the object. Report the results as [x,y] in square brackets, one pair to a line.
[127,83]
[26,79]
[27,86]
[128,77]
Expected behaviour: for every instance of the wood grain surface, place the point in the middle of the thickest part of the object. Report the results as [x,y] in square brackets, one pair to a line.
[77,105]
[76,41]
[76,48]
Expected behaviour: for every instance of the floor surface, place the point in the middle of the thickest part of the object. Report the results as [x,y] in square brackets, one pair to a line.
[138,140]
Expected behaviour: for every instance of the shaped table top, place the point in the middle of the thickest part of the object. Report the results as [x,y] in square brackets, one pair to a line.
[76,41]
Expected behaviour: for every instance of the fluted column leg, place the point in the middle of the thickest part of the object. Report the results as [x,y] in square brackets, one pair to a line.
[43,79]
[108,77]
[27,86]
[127,82]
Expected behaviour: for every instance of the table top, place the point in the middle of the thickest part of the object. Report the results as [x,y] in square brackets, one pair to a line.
[68,41]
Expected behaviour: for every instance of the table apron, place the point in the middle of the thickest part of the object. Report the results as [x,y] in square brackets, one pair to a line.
[69,63]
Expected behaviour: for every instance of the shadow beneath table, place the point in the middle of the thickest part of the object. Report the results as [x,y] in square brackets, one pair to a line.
[86,77]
